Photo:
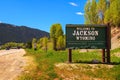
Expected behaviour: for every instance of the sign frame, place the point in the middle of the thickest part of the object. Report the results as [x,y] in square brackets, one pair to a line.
[99,43]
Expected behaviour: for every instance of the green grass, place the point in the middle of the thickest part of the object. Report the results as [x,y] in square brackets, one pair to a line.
[114,58]
[45,65]
[86,56]
[115,50]
[45,68]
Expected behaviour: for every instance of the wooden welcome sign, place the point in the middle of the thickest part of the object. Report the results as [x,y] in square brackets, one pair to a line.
[89,37]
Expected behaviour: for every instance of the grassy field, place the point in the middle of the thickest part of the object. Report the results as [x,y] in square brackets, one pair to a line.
[52,65]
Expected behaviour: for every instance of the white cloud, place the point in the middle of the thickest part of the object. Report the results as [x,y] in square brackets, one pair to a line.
[89,0]
[73,4]
[80,13]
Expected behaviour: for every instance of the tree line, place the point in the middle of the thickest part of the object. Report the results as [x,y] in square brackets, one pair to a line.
[102,12]
[12,45]
[57,38]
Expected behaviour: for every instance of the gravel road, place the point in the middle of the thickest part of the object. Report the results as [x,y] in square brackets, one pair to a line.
[12,63]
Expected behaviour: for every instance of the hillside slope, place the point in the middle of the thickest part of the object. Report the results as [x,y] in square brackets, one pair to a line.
[115,40]
[12,33]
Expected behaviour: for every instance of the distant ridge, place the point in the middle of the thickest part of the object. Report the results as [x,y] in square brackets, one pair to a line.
[12,33]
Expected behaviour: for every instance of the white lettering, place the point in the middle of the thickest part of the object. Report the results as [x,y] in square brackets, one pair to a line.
[85,33]
[77,33]
[85,38]
[74,33]
[77,38]
[81,32]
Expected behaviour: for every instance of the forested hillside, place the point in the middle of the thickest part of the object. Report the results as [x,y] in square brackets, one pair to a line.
[12,33]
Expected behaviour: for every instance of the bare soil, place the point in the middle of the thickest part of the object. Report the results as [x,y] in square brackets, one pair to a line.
[78,71]
[12,63]
[115,38]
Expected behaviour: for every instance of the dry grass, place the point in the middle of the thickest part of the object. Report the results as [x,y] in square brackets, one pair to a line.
[79,71]
[29,68]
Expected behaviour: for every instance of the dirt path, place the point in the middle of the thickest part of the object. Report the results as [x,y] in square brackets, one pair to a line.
[12,63]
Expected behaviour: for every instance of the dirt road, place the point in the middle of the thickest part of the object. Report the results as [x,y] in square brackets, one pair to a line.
[12,63]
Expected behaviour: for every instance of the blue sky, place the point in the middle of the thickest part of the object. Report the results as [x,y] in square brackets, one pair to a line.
[41,14]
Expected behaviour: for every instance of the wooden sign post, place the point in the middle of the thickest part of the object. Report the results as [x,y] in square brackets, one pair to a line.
[106,52]
[70,56]
[103,55]
[108,42]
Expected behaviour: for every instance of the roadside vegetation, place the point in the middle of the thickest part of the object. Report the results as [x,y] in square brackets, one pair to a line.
[51,61]
[52,65]
[12,45]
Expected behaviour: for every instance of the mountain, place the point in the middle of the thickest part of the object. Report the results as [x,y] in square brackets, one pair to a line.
[12,33]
